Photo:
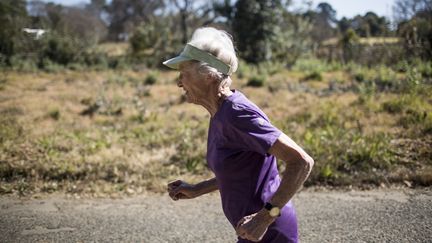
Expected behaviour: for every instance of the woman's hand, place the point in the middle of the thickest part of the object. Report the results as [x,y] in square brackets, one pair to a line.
[253,227]
[181,190]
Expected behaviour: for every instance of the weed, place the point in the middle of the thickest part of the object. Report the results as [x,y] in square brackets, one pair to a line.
[367,91]
[54,114]
[10,129]
[413,117]
[394,106]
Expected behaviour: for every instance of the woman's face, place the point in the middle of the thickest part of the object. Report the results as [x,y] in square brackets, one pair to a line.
[195,85]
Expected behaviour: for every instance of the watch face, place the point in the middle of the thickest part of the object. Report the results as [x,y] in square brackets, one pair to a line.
[274,212]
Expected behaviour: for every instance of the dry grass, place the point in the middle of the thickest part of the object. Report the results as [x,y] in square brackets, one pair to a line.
[367,41]
[99,133]
[114,49]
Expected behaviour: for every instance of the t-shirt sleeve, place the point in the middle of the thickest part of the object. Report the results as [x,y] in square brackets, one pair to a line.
[252,131]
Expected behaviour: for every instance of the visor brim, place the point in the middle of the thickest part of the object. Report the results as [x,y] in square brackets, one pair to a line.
[176,61]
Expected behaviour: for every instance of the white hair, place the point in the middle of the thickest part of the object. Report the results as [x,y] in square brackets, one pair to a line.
[219,44]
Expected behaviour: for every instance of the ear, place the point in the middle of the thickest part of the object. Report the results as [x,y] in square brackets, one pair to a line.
[211,77]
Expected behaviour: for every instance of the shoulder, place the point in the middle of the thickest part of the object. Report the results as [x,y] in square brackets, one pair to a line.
[242,113]
[240,108]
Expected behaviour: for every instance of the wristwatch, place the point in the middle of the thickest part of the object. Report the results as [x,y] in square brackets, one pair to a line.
[273,210]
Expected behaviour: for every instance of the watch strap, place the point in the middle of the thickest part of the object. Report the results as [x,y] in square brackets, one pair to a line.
[269,207]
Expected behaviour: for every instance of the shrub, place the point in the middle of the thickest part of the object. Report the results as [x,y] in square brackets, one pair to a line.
[393,106]
[315,75]
[23,64]
[61,50]
[386,79]
[54,114]
[151,78]
[50,66]
[359,77]
[256,81]
[426,69]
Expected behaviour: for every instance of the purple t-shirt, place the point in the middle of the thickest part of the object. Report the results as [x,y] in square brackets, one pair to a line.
[239,136]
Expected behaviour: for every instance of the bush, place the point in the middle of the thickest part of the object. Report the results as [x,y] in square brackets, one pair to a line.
[315,75]
[62,49]
[54,114]
[119,63]
[359,77]
[256,81]
[23,64]
[151,78]
[393,106]
[50,66]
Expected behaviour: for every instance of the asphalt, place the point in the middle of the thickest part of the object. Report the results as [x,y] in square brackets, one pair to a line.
[384,215]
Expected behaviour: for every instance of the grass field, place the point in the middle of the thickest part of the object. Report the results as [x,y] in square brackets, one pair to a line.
[118,132]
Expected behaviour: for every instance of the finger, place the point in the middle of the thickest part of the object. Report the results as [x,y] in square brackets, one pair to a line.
[182,196]
[174,184]
[242,235]
[175,193]
[240,222]
[261,237]
[245,236]
[240,231]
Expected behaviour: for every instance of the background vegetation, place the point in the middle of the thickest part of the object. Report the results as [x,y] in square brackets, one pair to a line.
[86,108]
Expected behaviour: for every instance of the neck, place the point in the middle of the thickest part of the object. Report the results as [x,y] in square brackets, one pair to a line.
[215,100]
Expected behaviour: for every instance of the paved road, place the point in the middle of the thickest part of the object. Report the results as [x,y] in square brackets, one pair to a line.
[325,216]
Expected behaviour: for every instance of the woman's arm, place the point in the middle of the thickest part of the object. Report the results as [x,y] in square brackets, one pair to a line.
[298,167]
[181,190]
[207,186]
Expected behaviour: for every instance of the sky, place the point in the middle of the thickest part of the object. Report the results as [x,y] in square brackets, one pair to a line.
[351,8]
[344,8]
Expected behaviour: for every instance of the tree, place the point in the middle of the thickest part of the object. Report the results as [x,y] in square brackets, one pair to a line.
[344,24]
[323,20]
[292,38]
[349,43]
[255,25]
[71,32]
[266,31]
[369,25]
[224,9]
[126,15]
[13,17]
[406,9]
[415,26]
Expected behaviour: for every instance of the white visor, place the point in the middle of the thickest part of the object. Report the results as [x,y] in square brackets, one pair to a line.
[192,53]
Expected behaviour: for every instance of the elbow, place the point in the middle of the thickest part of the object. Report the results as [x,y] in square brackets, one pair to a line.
[308,163]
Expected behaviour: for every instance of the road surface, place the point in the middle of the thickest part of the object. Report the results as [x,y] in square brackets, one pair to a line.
[324,216]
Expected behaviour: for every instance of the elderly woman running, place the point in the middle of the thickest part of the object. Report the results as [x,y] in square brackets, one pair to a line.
[242,145]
